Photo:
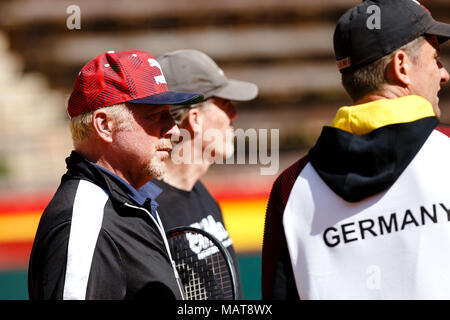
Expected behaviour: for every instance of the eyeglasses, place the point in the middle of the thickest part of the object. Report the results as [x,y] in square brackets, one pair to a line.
[224,104]
[174,110]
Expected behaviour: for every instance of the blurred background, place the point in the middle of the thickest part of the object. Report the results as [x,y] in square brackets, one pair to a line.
[284,46]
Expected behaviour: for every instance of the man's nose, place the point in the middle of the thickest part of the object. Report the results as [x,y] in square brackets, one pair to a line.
[444,74]
[173,131]
[170,128]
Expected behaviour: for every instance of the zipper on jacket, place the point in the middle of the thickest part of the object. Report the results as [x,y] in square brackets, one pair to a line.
[163,235]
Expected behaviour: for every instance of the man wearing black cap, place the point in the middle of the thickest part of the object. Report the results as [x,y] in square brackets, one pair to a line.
[207,137]
[100,237]
[365,215]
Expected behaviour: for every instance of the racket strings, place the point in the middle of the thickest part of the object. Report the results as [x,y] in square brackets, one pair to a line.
[202,267]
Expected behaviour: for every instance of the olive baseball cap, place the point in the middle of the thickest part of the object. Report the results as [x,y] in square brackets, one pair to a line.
[193,71]
[376,28]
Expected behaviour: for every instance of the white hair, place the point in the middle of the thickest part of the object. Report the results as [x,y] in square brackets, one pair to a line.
[81,125]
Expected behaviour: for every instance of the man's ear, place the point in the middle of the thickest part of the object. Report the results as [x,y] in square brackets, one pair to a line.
[195,120]
[399,69]
[103,125]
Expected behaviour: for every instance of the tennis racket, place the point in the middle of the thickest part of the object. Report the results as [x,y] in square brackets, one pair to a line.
[204,265]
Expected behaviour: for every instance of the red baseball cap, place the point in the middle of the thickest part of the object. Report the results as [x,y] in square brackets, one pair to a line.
[124,76]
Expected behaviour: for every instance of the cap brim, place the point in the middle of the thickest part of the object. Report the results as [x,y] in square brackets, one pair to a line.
[236,90]
[170,97]
[439,29]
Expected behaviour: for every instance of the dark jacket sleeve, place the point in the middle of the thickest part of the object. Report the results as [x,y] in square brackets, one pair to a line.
[46,270]
[277,275]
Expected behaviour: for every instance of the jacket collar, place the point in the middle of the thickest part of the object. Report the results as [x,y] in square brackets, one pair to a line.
[364,118]
[80,167]
[368,146]
[140,196]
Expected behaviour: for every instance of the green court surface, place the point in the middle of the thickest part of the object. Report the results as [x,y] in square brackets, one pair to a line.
[250,269]
[13,283]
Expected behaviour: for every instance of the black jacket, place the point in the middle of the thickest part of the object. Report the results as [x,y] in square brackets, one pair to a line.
[95,242]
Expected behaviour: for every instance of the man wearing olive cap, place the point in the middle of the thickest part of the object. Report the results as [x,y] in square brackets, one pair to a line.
[185,201]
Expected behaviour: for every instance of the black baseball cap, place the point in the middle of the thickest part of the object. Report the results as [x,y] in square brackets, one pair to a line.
[376,28]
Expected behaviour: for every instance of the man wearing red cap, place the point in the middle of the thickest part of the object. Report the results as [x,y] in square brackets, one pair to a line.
[100,237]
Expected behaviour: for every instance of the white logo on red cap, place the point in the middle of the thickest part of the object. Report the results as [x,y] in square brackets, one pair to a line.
[159,79]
